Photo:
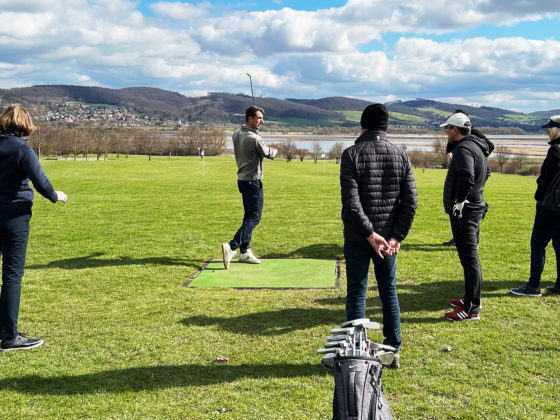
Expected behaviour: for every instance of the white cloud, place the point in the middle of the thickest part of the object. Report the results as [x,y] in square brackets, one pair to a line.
[289,53]
[181,11]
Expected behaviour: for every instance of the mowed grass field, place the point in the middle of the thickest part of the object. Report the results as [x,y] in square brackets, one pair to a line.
[125,340]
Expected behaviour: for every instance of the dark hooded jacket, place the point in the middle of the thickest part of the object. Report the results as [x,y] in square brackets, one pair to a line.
[550,167]
[378,190]
[467,175]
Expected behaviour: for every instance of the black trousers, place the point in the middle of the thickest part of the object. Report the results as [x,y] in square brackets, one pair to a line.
[466,232]
[14,232]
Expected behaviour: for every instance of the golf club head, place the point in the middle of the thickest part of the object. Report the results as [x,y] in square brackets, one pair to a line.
[377,346]
[336,337]
[329,350]
[371,325]
[328,361]
[355,322]
[385,357]
[346,331]
[334,344]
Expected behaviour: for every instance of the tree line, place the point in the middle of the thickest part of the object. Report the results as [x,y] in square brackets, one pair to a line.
[97,142]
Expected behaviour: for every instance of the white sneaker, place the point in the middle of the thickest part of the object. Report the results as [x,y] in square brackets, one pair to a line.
[249,258]
[227,254]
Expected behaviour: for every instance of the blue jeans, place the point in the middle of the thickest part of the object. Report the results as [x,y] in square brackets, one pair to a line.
[358,255]
[14,232]
[253,199]
[466,232]
[545,229]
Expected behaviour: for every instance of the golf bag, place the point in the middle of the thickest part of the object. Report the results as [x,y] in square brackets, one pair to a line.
[358,393]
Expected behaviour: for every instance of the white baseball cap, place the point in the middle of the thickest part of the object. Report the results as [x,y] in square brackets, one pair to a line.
[458,120]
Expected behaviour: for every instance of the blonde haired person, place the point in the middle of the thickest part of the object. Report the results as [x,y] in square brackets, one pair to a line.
[18,165]
[547,222]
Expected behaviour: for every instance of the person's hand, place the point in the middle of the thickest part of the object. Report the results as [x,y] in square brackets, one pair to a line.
[61,196]
[394,247]
[378,243]
[458,209]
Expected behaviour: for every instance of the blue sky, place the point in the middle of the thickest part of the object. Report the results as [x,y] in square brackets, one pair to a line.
[478,52]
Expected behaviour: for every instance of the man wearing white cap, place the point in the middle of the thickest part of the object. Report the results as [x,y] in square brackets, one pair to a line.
[463,200]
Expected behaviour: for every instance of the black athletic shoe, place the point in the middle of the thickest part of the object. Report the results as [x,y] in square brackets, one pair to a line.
[554,289]
[526,291]
[20,342]
[450,242]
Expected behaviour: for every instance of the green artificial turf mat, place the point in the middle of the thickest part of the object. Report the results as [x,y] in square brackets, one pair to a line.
[301,273]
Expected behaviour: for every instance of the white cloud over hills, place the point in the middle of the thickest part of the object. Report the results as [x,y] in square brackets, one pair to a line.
[367,49]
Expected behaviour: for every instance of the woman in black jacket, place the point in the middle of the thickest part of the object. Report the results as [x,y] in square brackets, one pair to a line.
[18,165]
[547,222]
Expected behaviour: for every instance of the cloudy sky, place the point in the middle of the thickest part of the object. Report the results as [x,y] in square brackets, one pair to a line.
[484,52]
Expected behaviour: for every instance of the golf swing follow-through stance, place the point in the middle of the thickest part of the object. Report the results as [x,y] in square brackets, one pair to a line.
[250,150]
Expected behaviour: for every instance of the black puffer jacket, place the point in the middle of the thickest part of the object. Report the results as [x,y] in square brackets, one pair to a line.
[467,175]
[377,188]
[550,167]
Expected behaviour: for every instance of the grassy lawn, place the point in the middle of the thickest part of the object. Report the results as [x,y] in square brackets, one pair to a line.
[124,339]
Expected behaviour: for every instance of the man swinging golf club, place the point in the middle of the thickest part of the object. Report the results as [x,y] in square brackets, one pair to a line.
[249,150]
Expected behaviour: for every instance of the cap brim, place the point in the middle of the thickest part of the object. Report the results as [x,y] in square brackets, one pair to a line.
[550,124]
[444,124]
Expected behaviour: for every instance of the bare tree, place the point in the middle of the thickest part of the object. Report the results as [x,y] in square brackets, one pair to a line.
[316,151]
[170,144]
[520,159]
[336,152]
[38,140]
[191,140]
[440,146]
[502,155]
[99,139]
[146,142]
[302,153]
[76,141]
[288,149]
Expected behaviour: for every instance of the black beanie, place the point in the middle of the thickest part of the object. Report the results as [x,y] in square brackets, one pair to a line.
[375,117]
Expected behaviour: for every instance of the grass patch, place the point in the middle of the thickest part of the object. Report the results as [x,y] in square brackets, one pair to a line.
[407,118]
[435,111]
[522,118]
[352,116]
[124,339]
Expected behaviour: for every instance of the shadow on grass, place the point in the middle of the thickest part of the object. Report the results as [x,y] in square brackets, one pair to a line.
[427,296]
[272,322]
[311,251]
[153,377]
[93,261]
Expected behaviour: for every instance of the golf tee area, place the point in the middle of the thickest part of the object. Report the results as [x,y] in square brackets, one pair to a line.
[124,339]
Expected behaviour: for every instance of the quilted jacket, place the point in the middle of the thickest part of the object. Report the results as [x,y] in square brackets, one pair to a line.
[378,190]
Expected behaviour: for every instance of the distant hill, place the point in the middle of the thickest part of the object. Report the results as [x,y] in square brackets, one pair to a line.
[334,103]
[220,107]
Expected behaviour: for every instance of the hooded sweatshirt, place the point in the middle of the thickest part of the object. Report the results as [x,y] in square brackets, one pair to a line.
[467,175]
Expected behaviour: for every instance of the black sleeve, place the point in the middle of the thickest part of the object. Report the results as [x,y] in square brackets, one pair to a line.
[464,164]
[32,168]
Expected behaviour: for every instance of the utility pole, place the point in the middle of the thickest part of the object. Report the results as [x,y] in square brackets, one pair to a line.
[251,81]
